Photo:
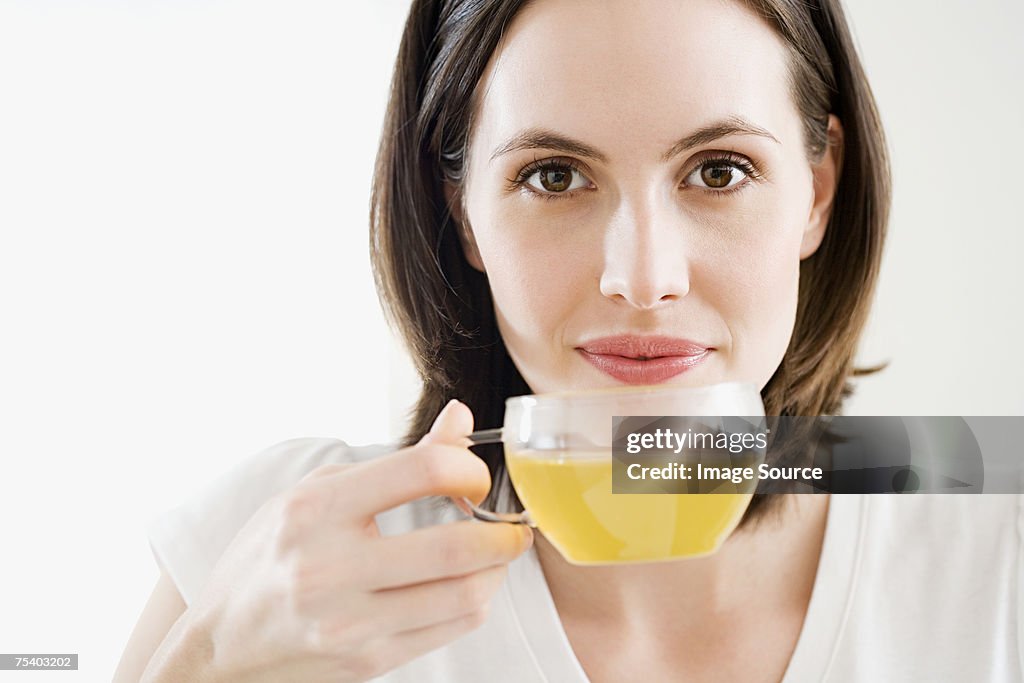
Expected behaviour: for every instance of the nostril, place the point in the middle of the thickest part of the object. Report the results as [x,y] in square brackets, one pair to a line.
[645,289]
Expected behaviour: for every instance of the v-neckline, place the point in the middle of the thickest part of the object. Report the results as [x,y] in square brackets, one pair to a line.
[834,584]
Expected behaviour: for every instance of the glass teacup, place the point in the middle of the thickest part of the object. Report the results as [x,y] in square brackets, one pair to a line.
[559,454]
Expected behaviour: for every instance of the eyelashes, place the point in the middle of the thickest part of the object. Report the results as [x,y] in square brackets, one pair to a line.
[706,176]
[554,166]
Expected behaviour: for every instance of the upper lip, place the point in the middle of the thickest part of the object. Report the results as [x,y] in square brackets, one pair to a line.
[643,347]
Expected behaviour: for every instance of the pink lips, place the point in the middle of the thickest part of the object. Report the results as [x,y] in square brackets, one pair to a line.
[643,360]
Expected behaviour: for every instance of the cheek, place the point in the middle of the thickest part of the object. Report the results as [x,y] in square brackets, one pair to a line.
[753,285]
[535,281]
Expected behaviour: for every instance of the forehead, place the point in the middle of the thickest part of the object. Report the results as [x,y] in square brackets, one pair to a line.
[634,74]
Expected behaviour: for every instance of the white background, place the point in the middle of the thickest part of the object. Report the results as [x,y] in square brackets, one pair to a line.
[184,274]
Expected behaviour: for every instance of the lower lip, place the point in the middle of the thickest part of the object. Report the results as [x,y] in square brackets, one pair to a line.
[652,371]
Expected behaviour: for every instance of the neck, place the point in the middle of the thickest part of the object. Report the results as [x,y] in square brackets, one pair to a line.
[770,565]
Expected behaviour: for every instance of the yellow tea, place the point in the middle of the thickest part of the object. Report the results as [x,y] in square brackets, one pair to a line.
[571,501]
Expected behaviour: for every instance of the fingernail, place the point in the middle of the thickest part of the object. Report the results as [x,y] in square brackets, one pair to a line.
[444,411]
[528,540]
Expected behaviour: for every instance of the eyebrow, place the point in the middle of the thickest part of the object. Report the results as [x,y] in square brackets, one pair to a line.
[538,138]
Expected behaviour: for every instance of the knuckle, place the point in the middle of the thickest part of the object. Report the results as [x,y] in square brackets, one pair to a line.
[300,505]
[498,575]
[299,508]
[369,663]
[474,592]
[431,466]
[478,617]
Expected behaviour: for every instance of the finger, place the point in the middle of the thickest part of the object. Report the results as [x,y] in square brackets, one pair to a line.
[440,464]
[408,645]
[441,551]
[453,425]
[360,492]
[412,607]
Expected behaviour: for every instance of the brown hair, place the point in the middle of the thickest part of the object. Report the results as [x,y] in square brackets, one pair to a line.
[442,306]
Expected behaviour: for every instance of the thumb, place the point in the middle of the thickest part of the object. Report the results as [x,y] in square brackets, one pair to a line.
[452,425]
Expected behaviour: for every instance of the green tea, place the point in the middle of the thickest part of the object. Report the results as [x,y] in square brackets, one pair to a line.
[571,501]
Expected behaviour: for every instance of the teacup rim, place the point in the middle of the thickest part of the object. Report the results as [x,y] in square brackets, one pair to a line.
[586,395]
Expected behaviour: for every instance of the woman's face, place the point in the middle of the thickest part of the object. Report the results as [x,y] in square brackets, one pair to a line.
[639,195]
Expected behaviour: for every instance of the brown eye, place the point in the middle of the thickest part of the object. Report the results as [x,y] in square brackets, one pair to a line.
[556,178]
[716,176]
[719,174]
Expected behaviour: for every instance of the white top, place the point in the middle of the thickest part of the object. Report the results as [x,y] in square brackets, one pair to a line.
[909,588]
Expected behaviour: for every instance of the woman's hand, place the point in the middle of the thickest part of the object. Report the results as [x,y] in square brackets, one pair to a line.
[310,591]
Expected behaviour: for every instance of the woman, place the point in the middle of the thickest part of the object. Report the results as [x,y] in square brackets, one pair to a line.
[579,195]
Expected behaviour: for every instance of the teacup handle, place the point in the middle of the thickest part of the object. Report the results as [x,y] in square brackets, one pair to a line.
[478,438]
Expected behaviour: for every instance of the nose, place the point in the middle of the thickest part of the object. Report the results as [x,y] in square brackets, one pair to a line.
[646,263]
